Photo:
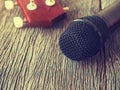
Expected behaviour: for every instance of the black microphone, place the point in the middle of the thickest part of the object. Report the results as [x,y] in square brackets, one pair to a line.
[85,36]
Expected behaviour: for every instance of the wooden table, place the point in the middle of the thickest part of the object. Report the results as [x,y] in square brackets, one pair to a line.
[30,58]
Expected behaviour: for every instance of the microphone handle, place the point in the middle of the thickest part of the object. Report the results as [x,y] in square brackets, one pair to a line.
[111,14]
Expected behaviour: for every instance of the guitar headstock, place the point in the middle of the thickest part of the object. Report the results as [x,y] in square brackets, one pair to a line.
[37,12]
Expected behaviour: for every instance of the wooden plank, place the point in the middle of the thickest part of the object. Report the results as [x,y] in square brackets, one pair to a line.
[107,3]
[30,58]
[2,9]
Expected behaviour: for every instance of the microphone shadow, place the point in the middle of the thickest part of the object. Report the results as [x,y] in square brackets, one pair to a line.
[113,46]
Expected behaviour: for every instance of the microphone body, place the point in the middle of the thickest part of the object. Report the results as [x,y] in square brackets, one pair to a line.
[111,14]
[85,36]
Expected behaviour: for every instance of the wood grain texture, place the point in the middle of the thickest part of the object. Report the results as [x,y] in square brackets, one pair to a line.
[30,58]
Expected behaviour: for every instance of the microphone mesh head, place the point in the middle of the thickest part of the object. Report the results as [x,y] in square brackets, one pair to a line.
[80,40]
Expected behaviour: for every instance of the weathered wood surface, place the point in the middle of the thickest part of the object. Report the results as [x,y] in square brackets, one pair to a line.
[30,58]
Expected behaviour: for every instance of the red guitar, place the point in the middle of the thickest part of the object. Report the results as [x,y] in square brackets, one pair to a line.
[37,12]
